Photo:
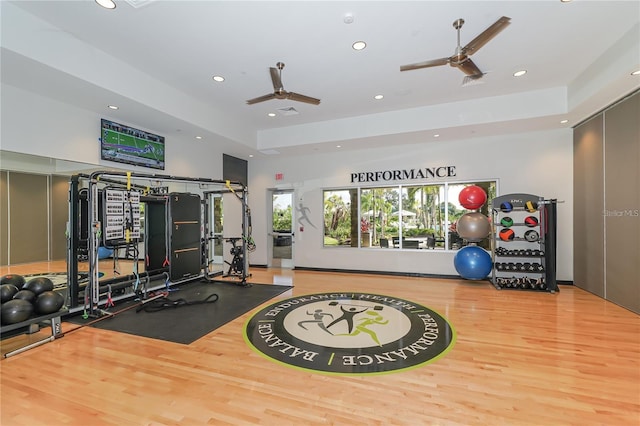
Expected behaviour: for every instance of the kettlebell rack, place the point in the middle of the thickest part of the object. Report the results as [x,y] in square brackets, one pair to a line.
[523,243]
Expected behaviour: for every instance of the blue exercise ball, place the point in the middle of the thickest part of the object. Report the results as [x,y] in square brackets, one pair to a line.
[104,253]
[472,263]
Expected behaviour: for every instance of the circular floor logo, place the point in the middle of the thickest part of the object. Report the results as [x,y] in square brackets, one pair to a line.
[349,333]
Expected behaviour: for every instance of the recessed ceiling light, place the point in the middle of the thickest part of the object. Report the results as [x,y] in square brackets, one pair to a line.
[198,137]
[519,73]
[564,121]
[218,78]
[250,155]
[272,114]
[636,72]
[338,146]
[378,97]
[436,135]
[107,4]
[565,1]
[113,107]
[359,45]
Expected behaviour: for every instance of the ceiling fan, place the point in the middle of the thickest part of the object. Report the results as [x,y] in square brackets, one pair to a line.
[279,92]
[461,58]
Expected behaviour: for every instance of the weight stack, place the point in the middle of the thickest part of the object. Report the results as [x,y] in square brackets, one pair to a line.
[184,236]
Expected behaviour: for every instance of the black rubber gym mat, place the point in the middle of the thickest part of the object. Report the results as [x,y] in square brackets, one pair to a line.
[189,312]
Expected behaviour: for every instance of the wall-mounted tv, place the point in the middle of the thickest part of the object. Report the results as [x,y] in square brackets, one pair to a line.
[234,169]
[124,144]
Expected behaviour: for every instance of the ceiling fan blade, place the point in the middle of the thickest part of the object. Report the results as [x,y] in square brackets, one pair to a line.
[302,98]
[484,37]
[261,99]
[468,67]
[275,78]
[425,64]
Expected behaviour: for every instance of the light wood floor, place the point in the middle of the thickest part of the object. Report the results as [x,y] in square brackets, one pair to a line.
[521,358]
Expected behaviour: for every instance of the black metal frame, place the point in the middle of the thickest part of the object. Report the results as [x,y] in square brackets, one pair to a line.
[96,291]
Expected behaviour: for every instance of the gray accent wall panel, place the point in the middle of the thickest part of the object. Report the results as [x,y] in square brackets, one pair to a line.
[59,216]
[28,218]
[622,203]
[4,220]
[588,204]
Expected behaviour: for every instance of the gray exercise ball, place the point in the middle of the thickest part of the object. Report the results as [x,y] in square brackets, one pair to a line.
[473,226]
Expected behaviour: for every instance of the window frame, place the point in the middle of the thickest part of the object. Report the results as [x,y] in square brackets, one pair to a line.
[443,235]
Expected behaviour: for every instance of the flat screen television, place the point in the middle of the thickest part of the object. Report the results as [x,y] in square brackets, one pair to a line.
[124,144]
[234,169]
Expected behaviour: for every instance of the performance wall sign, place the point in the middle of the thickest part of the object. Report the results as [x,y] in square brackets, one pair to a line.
[349,333]
[405,174]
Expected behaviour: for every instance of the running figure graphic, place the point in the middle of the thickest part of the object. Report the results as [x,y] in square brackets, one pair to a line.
[318,315]
[365,322]
[303,214]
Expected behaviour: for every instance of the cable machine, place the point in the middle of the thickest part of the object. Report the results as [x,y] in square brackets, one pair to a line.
[116,211]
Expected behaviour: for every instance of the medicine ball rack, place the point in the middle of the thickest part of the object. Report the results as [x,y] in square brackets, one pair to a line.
[523,247]
[161,221]
[33,325]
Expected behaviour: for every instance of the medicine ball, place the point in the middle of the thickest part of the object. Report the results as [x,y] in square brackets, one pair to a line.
[39,285]
[506,207]
[27,295]
[531,235]
[506,221]
[531,221]
[7,291]
[16,310]
[15,279]
[531,206]
[507,234]
[48,302]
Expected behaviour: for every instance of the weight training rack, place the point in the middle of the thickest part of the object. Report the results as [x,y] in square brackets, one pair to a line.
[105,210]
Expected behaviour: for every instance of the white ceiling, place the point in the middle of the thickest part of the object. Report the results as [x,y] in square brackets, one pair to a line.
[156,62]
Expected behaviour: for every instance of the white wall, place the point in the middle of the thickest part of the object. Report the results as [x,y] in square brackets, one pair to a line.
[536,163]
[38,125]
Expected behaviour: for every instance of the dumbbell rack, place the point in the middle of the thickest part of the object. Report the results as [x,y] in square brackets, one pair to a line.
[519,262]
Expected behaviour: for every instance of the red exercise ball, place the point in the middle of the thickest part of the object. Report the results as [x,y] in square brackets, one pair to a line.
[472,197]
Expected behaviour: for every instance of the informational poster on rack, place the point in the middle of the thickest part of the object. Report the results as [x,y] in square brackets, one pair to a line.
[121,217]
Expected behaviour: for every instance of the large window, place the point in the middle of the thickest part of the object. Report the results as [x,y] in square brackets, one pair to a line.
[377,207]
[339,218]
[399,217]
